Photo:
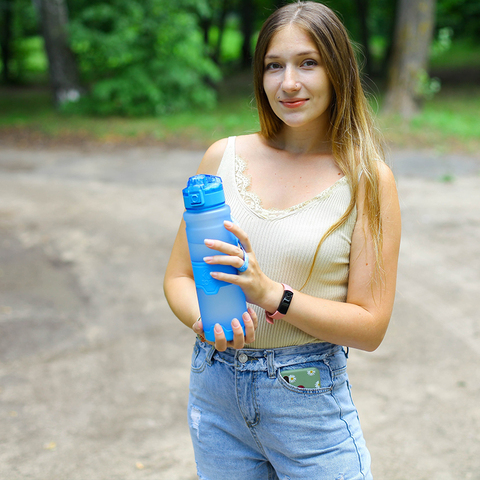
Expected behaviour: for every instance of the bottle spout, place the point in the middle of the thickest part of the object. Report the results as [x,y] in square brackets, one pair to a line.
[203,192]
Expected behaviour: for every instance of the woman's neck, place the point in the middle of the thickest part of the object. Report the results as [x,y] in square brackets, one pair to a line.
[306,141]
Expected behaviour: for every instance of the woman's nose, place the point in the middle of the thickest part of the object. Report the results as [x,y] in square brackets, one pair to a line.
[290,80]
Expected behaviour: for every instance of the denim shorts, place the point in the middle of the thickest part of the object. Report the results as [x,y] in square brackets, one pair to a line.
[248,423]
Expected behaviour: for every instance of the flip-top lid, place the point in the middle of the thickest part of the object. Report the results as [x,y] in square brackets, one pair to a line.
[203,192]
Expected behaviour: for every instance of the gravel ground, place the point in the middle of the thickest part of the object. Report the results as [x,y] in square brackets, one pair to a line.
[94,367]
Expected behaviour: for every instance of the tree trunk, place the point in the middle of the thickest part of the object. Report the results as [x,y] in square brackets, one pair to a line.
[413,35]
[6,39]
[247,15]
[221,29]
[362,8]
[64,77]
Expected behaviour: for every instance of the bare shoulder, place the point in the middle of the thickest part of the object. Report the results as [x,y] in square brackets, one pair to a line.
[386,181]
[248,145]
[385,175]
[212,158]
[387,196]
[387,188]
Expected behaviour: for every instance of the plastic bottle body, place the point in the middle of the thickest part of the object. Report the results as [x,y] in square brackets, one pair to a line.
[219,302]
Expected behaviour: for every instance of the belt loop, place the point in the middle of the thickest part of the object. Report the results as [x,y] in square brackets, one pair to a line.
[210,354]
[270,363]
[346,351]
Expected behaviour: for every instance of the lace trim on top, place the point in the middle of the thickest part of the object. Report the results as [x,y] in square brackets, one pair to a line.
[253,201]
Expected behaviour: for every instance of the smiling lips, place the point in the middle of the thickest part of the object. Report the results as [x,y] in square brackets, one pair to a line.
[294,102]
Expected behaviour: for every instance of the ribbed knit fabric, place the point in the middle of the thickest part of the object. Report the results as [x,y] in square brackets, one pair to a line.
[285,241]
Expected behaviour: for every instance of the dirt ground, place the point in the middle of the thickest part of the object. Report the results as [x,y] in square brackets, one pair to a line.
[94,367]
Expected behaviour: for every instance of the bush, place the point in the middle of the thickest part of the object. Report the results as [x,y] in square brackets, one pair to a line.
[141,58]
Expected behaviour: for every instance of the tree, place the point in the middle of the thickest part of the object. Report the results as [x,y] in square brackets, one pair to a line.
[247,15]
[142,58]
[407,73]
[6,8]
[64,77]
[363,8]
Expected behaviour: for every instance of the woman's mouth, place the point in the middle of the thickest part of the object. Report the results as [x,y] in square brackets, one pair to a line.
[294,102]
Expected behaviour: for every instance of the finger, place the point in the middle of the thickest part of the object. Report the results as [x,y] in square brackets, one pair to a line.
[238,335]
[224,247]
[232,261]
[240,234]
[254,317]
[220,340]
[249,328]
[197,327]
[226,277]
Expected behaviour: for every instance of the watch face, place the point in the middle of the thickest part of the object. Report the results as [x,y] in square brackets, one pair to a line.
[285,303]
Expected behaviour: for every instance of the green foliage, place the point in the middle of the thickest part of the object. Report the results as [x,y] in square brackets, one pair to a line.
[141,58]
[27,57]
[442,43]
[426,86]
[463,16]
[463,52]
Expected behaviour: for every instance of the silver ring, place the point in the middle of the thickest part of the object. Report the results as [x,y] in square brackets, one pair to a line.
[245,263]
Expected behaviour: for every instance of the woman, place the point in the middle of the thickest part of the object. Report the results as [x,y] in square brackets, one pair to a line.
[317,213]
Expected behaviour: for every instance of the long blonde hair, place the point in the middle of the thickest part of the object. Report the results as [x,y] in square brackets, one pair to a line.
[355,143]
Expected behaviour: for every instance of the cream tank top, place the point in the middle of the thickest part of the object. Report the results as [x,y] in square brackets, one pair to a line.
[285,241]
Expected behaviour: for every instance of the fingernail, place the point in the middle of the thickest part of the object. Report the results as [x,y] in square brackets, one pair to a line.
[207,259]
[218,328]
[208,242]
[228,224]
[235,323]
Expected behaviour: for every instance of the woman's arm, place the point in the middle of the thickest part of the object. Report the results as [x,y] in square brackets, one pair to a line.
[361,321]
[179,285]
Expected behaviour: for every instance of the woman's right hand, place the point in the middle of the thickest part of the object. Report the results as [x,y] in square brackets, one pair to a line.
[239,341]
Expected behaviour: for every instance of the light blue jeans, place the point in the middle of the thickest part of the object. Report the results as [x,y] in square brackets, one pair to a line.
[248,423]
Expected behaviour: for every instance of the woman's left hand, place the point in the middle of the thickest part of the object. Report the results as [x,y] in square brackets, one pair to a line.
[258,288]
[240,339]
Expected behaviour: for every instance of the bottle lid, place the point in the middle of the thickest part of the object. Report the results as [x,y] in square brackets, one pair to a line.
[203,192]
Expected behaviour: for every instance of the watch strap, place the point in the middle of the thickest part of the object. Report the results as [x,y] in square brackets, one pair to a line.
[283,306]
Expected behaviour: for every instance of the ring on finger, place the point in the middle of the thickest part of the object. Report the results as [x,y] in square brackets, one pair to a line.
[245,262]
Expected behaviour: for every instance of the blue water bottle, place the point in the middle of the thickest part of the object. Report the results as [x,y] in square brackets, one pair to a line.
[219,302]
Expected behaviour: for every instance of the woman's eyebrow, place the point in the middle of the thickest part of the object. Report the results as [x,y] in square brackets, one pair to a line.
[299,54]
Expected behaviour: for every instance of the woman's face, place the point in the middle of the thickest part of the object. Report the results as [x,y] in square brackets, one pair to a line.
[295,80]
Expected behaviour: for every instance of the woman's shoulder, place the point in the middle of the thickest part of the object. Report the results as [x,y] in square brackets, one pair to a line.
[386,186]
[243,145]
[386,177]
[212,158]
[248,145]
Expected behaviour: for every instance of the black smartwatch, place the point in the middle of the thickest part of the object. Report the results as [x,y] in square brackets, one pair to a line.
[283,307]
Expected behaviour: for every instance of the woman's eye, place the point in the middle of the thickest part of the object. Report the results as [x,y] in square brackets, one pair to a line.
[309,63]
[273,66]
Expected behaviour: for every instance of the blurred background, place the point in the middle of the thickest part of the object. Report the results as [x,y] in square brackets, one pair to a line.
[106,109]
[142,71]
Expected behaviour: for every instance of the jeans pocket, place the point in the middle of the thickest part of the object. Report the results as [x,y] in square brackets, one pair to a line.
[321,368]
[199,358]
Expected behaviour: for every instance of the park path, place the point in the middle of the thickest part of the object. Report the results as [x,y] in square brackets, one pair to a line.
[94,367]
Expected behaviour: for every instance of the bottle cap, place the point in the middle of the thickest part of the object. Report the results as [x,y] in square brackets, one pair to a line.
[203,192]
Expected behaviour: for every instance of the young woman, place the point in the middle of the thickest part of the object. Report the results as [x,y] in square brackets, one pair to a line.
[317,213]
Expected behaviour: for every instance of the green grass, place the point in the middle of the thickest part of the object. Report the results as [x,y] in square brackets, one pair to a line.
[31,111]
[461,53]
[448,122]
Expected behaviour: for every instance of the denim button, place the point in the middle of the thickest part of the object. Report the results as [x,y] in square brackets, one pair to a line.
[242,358]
